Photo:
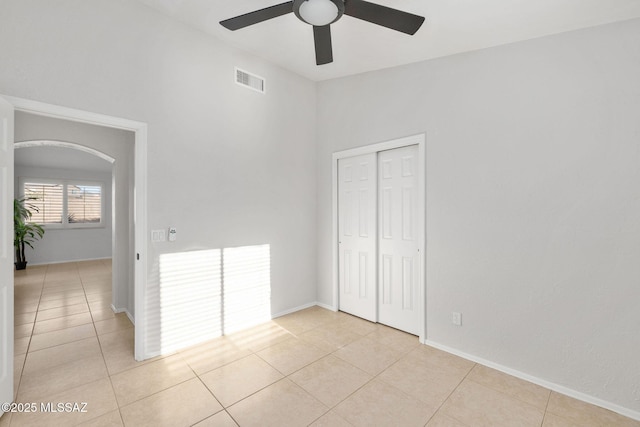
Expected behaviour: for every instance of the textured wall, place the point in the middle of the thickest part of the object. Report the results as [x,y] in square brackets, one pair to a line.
[227,166]
[533,199]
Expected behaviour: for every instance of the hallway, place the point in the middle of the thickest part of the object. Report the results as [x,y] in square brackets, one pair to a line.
[67,338]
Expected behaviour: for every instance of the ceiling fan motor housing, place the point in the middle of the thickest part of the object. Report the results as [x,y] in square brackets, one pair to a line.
[319,8]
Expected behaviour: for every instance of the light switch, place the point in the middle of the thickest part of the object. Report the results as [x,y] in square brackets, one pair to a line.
[157,236]
[172,234]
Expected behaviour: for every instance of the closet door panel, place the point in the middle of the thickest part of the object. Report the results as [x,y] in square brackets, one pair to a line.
[398,244]
[357,235]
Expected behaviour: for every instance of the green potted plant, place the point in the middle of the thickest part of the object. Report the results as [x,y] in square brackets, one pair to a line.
[25,233]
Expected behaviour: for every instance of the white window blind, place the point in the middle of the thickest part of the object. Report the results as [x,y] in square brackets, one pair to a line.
[84,204]
[64,203]
[48,200]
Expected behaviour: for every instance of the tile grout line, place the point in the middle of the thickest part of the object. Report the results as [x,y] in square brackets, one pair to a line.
[109,375]
[26,354]
[544,416]
[284,376]
[502,392]
[373,377]
[104,361]
[251,394]
[449,396]
[224,409]
[77,271]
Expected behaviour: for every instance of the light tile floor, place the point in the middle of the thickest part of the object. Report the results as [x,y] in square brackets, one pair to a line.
[312,367]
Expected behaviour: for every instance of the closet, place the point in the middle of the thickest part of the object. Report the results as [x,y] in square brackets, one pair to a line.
[379,259]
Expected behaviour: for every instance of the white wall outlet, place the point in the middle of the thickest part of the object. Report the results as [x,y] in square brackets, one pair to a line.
[456,318]
[172,234]
[157,236]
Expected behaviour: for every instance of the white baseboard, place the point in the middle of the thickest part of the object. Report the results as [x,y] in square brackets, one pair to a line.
[327,306]
[123,310]
[133,321]
[153,354]
[71,260]
[293,310]
[541,382]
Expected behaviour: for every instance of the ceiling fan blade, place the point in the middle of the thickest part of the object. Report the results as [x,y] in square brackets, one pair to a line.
[257,16]
[322,39]
[395,19]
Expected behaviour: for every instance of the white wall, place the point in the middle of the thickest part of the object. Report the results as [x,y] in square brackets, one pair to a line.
[70,244]
[226,166]
[117,144]
[533,199]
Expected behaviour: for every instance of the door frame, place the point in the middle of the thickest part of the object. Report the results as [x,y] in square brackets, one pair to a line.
[420,141]
[140,192]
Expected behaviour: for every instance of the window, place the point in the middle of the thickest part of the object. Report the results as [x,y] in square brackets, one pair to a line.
[68,204]
[84,204]
[47,198]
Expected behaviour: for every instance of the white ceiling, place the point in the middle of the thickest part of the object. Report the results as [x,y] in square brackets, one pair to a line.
[451,26]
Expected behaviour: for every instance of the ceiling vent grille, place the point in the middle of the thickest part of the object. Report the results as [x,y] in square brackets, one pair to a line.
[250,81]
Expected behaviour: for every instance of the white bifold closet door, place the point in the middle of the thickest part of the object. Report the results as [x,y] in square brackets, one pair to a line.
[357,185]
[377,235]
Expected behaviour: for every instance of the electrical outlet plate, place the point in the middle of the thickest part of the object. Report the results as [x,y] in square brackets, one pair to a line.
[456,318]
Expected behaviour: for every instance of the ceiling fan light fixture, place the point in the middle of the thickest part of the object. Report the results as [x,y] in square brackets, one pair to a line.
[318,12]
[321,13]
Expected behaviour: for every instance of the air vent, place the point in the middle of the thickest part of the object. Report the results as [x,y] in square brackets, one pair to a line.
[249,80]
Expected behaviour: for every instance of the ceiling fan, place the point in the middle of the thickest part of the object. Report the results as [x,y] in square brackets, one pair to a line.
[321,13]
